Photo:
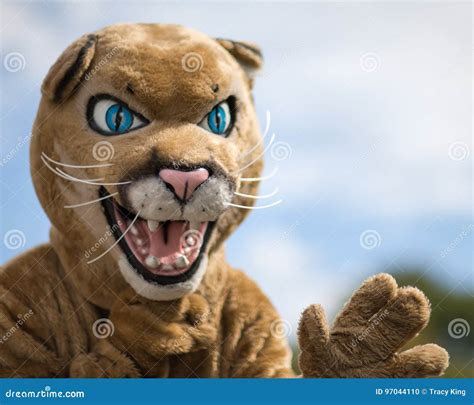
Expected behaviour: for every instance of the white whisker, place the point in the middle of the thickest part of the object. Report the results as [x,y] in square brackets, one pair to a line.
[76,166]
[268,176]
[73,178]
[267,127]
[90,202]
[92,182]
[117,241]
[257,197]
[64,176]
[255,208]
[259,156]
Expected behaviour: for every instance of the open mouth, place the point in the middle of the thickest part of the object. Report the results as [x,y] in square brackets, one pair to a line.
[166,252]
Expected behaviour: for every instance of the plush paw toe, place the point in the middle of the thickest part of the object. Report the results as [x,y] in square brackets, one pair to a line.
[422,361]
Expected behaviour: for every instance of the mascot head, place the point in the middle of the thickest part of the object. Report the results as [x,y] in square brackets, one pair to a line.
[145,139]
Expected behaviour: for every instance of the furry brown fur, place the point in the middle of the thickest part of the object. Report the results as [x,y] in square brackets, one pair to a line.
[222,327]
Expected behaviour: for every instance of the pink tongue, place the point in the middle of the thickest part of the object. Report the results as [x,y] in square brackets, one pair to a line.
[165,242]
[158,247]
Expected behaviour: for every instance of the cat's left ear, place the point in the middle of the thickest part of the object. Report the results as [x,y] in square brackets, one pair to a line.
[247,54]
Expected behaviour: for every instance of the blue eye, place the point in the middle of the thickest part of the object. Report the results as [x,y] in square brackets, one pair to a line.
[218,120]
[109,116]
[119,118]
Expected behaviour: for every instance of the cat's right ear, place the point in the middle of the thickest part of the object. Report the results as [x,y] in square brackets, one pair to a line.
[69,70]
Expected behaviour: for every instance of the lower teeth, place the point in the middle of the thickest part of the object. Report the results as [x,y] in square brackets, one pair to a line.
[182,262]
[152,261]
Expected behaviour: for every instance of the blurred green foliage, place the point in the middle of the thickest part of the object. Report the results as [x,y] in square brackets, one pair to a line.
[447,305]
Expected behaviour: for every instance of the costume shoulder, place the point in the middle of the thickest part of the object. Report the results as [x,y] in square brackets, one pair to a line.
[28,275]
[36,316]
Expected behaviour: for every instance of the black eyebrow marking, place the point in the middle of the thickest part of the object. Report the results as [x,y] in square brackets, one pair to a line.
[130,88]
[72,71]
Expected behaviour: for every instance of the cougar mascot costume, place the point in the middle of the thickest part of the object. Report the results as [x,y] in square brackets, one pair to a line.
[145,148]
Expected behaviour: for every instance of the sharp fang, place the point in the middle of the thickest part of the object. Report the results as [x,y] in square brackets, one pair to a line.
[194,225]
[152,225]
[181,262]
[152,261]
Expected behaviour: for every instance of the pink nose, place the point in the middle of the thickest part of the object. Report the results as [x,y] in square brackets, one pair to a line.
[184,183]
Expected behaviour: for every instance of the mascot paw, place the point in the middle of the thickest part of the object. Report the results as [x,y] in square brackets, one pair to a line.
[105,361]
[364,341]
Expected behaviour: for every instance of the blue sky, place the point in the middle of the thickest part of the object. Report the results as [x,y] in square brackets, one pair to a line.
[370,101]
